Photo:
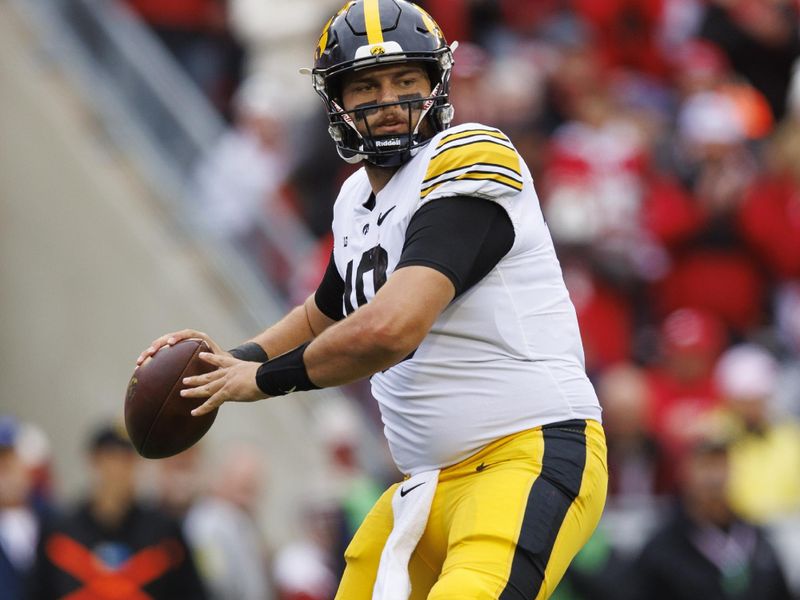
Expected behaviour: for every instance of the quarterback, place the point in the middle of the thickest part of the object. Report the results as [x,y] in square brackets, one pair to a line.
[443,287]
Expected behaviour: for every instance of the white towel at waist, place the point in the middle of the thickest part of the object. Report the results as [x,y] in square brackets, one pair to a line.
[411,506]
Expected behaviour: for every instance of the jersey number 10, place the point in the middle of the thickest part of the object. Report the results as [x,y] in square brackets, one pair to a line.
[376,260]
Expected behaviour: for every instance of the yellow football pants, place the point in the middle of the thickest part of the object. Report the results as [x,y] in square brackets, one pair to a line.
[504,523]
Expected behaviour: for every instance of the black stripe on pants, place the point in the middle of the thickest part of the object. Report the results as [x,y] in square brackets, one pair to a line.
[548,502]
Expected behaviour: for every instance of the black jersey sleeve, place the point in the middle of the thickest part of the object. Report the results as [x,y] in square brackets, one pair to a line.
[462,237]
[330,292]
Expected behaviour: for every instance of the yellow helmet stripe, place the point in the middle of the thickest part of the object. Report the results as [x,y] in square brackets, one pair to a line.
[426,18]
[372,18]
[323,39]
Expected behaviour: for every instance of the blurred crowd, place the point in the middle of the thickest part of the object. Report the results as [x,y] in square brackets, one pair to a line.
[664,140]
[185,527]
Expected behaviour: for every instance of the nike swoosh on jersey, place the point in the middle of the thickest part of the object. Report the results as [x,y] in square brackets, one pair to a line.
[403,491]
[382,216]
[483,466]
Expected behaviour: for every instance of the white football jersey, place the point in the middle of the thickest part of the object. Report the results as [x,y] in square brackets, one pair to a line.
[504,356]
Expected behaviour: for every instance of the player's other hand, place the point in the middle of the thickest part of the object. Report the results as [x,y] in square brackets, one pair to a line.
[169,339]
[234,380]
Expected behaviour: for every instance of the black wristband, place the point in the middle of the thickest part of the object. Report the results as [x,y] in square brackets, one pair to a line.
[249,351]
[285,374]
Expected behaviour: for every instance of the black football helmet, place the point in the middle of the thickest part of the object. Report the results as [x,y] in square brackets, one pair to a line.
[366,33]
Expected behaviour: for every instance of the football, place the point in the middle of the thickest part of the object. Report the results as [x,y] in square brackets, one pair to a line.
[157,417]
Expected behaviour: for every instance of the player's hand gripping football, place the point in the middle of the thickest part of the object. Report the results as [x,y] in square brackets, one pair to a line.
[170,339]
[234,380]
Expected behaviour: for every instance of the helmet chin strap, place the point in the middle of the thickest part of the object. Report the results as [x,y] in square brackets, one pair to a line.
[351,160]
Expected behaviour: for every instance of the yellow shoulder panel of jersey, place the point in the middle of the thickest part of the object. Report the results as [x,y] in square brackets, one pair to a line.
[478,154]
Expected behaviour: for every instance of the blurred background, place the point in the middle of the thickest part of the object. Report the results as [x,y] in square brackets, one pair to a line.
[164,165]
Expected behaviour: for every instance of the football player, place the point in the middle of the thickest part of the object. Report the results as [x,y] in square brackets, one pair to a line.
[444,287]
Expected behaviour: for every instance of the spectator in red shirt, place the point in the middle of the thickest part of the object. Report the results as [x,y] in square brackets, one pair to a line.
[626,32]
[604,316]
[682,385]
[769,218]
[711,267]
